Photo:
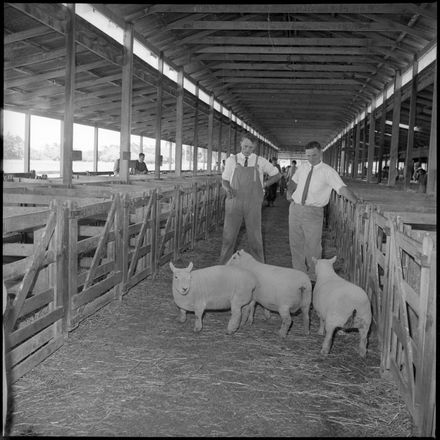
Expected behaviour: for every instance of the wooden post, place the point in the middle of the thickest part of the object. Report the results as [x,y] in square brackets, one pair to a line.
[431,185]
[363,150]
[355,172]
[72,272]
[219,155]
[392,173]
[61,245]
[371,142]
[179,123]
[196,132]
[27,142]
[230,129]
[95,149]
[407,171]
[210,132]
[158,125]
[69,91]
[126,99]
[343,149]
[382,136]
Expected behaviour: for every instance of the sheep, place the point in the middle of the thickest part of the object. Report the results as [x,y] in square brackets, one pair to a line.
[214,288]
[339,303]
[280,289]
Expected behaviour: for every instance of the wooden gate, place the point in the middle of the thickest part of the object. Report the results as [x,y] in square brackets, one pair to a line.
[34,319]
[95,265]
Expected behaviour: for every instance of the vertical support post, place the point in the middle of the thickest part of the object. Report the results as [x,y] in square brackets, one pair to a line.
[158,125]
[210,132]
[126,99]
[364,145]
[407,171]
[196,132]
[179,122]
[382,137]
[371,142]
[95,148]
[394,148]
[355,172]
[219,155]
[431,185]
[69,91]
[228,146]
[141,144]
[27,142]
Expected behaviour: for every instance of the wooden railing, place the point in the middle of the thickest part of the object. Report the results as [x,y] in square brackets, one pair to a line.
[396,265]
[65,258]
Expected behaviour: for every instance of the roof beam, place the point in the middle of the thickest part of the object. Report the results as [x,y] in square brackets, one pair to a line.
[356,8]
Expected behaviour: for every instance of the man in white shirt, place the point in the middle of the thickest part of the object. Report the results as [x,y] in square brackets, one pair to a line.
[306,211]
[243,182]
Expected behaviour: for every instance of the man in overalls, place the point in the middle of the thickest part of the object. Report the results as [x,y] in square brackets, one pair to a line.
[242,179]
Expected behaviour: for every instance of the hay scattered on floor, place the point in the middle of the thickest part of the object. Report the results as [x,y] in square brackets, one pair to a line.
[133,370]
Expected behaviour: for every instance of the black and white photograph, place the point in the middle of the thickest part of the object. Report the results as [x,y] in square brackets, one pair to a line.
[219,219]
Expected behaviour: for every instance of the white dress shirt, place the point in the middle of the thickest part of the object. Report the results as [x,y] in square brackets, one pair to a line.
[324,179]
[263,165]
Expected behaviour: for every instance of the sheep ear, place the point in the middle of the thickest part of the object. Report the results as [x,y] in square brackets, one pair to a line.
[190,266]
[332,260]
[172,266]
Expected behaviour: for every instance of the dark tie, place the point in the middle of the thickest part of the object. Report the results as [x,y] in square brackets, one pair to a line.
[306,186]
[245,161]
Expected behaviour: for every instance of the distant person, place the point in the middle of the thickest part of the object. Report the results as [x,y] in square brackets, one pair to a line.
[141,166]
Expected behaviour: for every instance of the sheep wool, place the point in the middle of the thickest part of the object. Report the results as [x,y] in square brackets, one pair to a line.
[280,289]
[212,288]
[339,303]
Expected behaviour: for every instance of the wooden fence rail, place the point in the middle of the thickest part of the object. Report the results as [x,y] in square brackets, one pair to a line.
[396,265]
[71,255]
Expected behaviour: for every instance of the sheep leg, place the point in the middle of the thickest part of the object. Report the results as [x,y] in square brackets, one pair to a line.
[305,309]
[326,345]
[182,316]
[321,326]
[363,334]
[199,315]
[248,313]
[234,322]
[286,320]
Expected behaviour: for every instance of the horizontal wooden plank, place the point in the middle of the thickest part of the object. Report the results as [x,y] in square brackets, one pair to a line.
[28,347]
[36,301]
[18,249]
[89,231]
[36,326]
[35,359]
[91,243]
[137,278]
[18,268]
[18,219]
[96,290]
[100,271]
[93,307]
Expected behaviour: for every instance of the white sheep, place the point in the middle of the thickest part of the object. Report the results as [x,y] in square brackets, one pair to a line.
[339,303]
[280,289]
[212,288]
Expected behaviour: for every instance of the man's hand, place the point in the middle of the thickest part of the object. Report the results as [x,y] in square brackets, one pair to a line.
[231,193]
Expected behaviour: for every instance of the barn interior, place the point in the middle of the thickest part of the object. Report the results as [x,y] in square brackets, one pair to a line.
[359,78]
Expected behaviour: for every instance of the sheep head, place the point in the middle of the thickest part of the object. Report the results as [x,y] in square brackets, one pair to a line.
[181,278]
[323,265]
[238,257]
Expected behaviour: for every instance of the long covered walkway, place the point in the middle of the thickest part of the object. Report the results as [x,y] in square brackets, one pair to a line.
[133,370]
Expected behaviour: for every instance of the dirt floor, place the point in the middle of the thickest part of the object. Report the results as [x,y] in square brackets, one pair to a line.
[133,370]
